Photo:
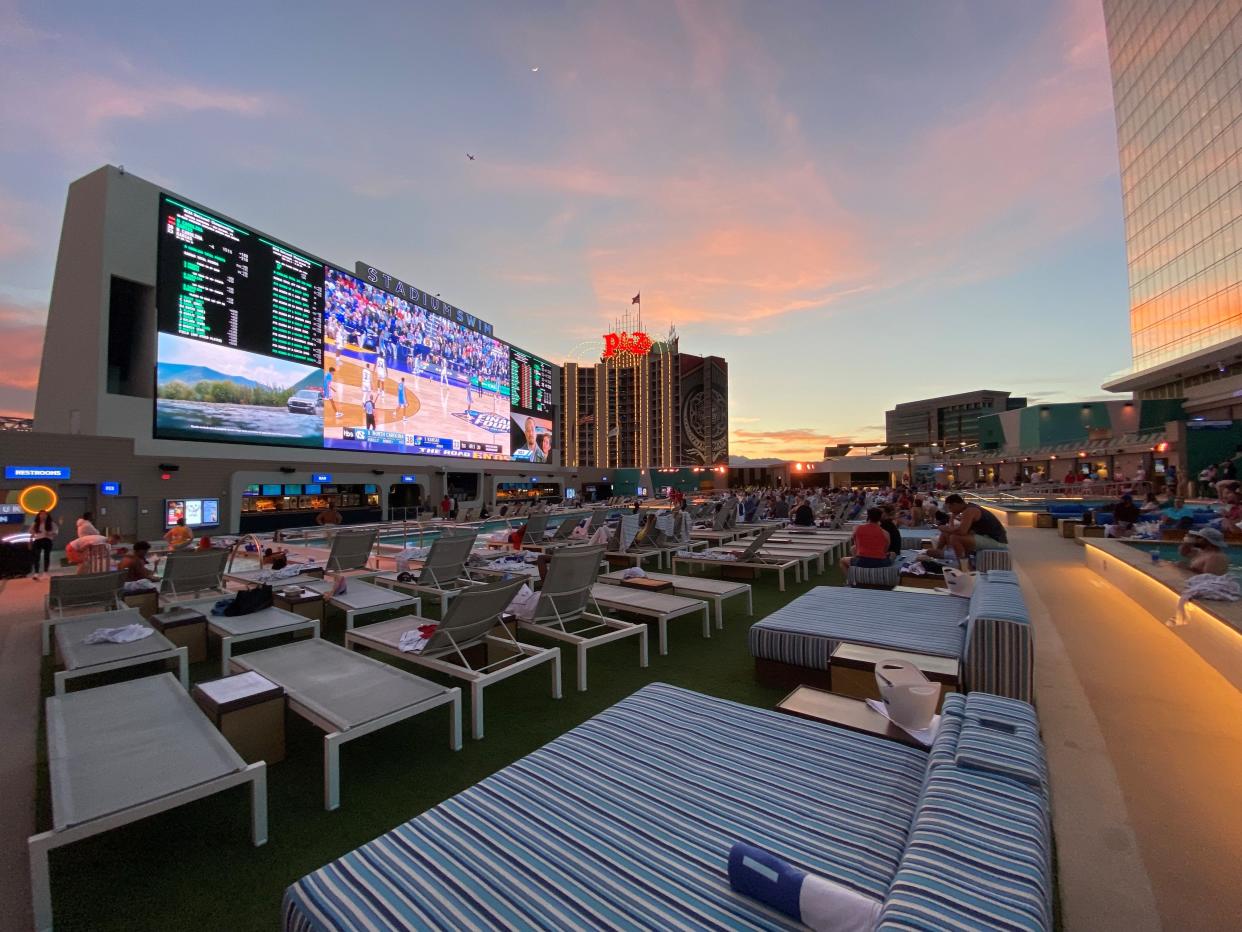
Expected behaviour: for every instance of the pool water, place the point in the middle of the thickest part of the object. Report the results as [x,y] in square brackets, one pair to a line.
[1168,551]
[425,539]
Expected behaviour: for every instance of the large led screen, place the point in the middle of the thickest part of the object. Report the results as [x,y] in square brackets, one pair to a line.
[400,379]
[261,343]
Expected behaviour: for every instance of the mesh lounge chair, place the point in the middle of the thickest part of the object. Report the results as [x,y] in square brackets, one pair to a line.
[98,591]
[189,573]
[351,550]
[536,527]
[470,622]
[565,528]
[562,612]
[598,517]
[120,753]
[444,573]
[347,696]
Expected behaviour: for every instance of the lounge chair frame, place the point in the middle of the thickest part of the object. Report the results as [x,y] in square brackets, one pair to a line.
[524,656]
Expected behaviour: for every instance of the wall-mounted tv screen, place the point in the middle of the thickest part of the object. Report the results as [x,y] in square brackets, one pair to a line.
[313,488]
[250,490]
[293,490]
[197,512]
[261,343]
[271,490]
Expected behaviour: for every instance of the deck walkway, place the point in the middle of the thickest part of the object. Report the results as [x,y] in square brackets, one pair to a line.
[1145,747]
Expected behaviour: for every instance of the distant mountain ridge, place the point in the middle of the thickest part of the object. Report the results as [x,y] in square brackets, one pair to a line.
[167,372]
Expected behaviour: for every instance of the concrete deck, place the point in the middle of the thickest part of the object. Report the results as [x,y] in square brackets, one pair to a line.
[1145,751]
[1143,735]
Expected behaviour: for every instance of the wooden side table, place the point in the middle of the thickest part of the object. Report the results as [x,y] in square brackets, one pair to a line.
[147,603]
[309,605]
[184,627]
[249,710]
[853,670]
[819,705]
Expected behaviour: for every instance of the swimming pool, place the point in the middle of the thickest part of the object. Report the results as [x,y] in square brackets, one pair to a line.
[416,538]
[1167,550]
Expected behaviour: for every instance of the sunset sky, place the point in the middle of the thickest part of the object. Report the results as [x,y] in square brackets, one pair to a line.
[855,204]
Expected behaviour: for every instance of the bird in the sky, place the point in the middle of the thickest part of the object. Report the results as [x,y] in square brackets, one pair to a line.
[469,156]
[536,68]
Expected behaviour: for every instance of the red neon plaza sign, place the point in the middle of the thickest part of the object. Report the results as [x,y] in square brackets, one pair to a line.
[636,344]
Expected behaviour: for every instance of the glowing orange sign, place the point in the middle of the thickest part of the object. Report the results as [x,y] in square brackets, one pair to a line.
[637,343]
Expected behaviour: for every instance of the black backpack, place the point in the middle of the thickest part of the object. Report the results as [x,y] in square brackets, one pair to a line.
[249,601]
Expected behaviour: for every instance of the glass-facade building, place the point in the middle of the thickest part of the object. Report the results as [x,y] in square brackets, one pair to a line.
[1177,87]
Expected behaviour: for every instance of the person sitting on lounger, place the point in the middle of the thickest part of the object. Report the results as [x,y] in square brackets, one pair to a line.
[888,521]
[1203,551]
[134,566]
[869,544]
[972,529]
[803,514]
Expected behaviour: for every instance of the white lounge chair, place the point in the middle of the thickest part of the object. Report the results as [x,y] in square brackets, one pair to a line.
[363,598]
[348,696]
[351,551]
[101,592]
[189,573]
[81,659]
[120,753]
[562,612]
[443,574]
[472,621]
[711,590]
[661,607]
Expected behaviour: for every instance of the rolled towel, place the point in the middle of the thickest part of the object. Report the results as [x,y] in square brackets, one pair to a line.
[820,903]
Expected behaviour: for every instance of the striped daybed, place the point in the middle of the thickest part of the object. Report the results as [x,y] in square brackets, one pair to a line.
[989,634]
[626,822]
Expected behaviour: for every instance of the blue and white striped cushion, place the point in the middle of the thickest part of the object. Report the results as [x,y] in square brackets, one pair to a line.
[1002,576]
[807,630]
[982,705]
[979,857]
[992,560]
[944,747]
[626,822]
[998,601]
[873,575]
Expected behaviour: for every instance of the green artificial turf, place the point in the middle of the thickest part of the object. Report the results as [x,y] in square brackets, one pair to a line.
[194,867]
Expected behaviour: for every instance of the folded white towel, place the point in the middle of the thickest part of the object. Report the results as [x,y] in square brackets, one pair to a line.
[416,639]
[121,635]
[634,572]
[524,603]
